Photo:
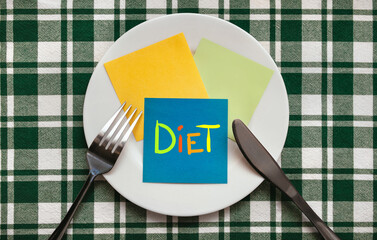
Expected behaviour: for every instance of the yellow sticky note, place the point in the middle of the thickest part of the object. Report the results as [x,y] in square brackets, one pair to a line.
[165,69]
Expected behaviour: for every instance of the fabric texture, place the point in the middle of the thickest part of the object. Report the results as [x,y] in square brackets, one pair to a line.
[325,51]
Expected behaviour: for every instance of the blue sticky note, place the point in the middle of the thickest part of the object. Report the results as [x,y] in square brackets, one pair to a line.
[185,140]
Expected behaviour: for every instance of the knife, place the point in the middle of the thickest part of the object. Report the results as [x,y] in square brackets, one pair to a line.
[260,159]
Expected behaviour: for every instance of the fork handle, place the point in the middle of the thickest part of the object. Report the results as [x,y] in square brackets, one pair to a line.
[61,229]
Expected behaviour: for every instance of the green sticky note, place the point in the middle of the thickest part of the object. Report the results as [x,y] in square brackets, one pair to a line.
[229,75]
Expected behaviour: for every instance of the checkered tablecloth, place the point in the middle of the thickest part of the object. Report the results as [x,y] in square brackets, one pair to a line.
[325,50]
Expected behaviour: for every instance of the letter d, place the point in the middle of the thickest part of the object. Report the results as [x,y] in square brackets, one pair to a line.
[157,138]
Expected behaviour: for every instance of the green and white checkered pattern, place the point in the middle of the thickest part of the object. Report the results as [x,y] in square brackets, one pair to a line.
[326,51]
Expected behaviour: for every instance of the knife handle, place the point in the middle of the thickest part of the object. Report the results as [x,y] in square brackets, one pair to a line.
[277,177]
[265,165]
[281,181]
[322,228]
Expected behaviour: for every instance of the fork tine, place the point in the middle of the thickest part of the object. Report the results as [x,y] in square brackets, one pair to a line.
[120,143]
[109,124]
[118,132]
[115,115]
[110,132]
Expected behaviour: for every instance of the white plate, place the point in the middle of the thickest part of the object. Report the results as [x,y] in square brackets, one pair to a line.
[269,122]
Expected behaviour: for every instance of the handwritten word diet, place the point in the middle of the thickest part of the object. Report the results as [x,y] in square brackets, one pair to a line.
[190,142]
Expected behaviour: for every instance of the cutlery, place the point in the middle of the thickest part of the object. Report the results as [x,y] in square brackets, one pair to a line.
[260,159]
[101,157]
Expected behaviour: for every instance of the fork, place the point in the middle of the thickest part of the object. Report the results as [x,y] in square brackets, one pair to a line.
[101,156]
